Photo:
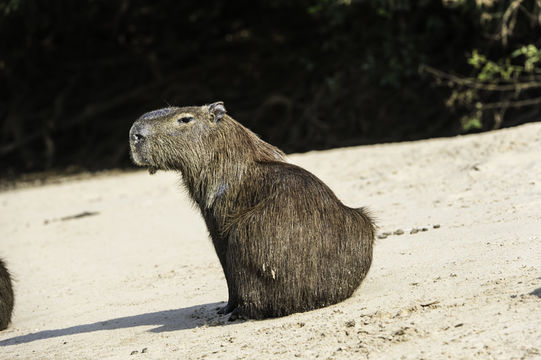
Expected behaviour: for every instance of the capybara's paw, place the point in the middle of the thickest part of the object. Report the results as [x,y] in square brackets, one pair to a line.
[227,309]
[237,314]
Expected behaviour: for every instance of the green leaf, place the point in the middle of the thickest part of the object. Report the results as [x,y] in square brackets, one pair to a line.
[471,123]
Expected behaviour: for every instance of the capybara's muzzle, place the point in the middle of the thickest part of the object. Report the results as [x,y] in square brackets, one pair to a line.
[139,134]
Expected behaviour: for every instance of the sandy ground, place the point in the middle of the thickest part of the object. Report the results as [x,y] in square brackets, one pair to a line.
[137,277]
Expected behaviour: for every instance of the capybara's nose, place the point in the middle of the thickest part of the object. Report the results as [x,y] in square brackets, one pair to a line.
[138,137]
[138,133]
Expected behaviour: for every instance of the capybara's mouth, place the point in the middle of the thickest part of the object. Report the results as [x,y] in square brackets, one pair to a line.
[139,156]
[136,155]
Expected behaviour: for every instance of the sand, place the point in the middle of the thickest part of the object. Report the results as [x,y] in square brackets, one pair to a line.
[120,266]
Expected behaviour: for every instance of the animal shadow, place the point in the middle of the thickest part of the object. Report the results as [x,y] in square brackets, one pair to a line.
[167,320]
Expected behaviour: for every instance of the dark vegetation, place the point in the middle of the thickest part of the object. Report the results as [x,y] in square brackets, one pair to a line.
[303,74]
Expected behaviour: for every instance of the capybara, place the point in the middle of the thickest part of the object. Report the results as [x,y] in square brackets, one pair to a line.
[6,296]
[285,242]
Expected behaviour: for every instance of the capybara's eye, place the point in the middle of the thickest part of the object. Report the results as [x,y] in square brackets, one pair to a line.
[185,119]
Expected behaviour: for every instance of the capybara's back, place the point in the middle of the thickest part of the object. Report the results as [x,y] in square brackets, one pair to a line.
[285,242]
[6,296]
[295,247]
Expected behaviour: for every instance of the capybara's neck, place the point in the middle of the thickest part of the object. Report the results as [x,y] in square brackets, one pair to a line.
[228,155]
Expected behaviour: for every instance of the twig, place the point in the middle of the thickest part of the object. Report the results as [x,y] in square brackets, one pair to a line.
[515,104]
[435,302]
[509,19]
[79,215]
[475,84]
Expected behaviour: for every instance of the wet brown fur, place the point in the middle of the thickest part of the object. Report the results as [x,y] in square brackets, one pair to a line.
[6,296]
[285,242]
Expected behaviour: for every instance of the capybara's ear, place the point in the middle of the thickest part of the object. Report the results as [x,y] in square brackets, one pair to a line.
[217,110]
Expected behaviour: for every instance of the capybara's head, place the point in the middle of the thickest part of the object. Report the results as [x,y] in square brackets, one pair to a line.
[173,138]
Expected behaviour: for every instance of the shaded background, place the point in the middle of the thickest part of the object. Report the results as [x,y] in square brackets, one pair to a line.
[304,75]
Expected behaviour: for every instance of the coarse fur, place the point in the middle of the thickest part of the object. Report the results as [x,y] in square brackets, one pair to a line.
[285,242]
[6,296]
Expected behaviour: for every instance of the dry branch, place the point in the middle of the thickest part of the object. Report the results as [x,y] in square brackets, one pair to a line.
[476,84]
